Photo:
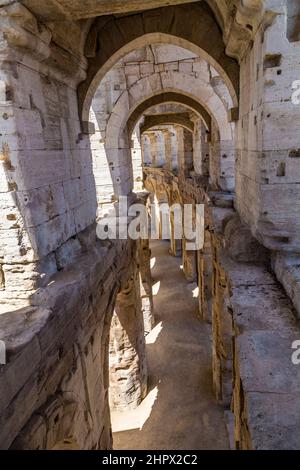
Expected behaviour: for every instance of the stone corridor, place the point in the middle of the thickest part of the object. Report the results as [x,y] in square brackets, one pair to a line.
[181,411]
[149,224]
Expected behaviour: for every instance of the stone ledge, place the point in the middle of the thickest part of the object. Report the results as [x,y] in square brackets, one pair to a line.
[266,404]
[274,420]
[287,270]
[262,307]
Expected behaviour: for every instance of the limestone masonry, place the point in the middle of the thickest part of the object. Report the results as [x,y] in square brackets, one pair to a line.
[164,102]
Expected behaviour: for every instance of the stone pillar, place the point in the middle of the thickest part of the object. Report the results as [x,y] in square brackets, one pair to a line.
[222,158]
[146,150]
[226,153]
[41,156]
[153,149]
[180,148]
[188,152]
[184,150]
[160,146]
[163,216]
[136,158]
[168,150]
[205,274]
[205,144]
[189,261]
[127,358]
[157,148]
[197,147]
[200,148]
[174,151]
[101,168]
[175,243]
[146,286]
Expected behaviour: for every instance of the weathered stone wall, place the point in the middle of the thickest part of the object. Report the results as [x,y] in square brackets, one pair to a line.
[54,387]
[268,167]
[253,321]
[47,185]
[55,383]
[127,355]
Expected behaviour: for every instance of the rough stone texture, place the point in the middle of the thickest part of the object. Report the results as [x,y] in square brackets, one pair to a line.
[287,270]
[253,321]
[146,286]
[64,339]
[127,361]
[268,179]
[229,66]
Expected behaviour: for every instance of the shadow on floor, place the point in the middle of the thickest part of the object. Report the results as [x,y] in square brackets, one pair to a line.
[180,411]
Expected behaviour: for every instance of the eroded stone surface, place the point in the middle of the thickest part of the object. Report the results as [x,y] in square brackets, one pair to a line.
[194,101]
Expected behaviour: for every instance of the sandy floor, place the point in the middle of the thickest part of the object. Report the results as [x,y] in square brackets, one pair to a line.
[180,411]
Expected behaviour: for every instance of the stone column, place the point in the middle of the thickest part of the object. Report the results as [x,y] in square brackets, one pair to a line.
[197,147]
[153,148]
[174,151]
[40,155]
[200,148]
[175,244]
[136,158]
[205,143]
[180,148]
[127,358]
[160,148]
[168,150]
[184,150]
[146,286]
[146,150]
[205,274]
[189,261]
[188,152]
[214,158]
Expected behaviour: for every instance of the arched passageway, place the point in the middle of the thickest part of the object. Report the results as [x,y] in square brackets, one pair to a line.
[180,411]
[131,127]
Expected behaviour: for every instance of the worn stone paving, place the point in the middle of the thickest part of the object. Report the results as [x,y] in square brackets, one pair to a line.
[180,411]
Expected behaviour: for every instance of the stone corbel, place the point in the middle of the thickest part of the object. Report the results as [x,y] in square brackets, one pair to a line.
[238,40]
[245,18]
[69,68]
[248,9]
[20,30]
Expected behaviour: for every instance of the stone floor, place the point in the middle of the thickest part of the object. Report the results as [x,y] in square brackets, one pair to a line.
[180,411]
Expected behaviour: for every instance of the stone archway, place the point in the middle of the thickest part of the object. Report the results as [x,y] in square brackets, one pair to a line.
[194,28]
[170,97]
[130,106]
[167,119]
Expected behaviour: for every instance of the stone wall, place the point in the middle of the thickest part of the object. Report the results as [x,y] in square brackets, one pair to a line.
[47,184]
[127,355]
[253,321]
[55,383]
[60,286]
[267,166]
